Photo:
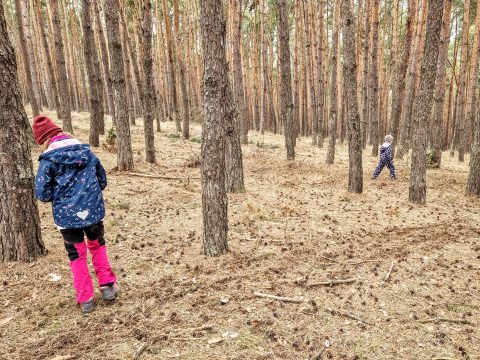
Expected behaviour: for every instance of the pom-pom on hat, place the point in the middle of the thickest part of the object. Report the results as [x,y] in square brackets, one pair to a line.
[44,129]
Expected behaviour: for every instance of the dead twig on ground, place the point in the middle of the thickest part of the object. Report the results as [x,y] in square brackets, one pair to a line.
[389,272]
[347,315]
[140,351]
[155,176]
[297,299]
[333,282]
[453,321]
[179,335]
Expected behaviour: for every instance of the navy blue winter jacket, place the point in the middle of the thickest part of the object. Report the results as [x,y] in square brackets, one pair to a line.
[72,178]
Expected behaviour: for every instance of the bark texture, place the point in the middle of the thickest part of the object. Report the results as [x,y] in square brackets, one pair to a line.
[355,172]
[92,64]
[214,87]
[286,103]
[424,101]
[20,236]
[124,146]
[62,79]
[148,100]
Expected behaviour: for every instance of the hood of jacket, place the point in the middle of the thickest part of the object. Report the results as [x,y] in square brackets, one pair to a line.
[76,156]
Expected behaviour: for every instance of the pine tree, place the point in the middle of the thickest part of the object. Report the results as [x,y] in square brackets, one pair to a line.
[148,100]
[124,148]
[215,75]
[424,101]
[92,64]
[20,235]
[286,104]
[355,172]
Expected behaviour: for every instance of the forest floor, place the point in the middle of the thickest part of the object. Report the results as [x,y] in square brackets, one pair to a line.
[295,226]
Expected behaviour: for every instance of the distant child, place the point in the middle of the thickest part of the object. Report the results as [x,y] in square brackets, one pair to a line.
[386,159]
[72,178]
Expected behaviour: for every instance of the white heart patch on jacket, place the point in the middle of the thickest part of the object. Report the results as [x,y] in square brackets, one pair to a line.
[83,214]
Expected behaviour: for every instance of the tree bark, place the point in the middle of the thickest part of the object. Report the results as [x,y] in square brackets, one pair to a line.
[182,72]
[462,85]
[239,95]
[20,235]
[424,101]
[373,76]
[320,77]
[107,76]
[92,64]
[148,103]
[171,62]
[215,75]
[25,57]
[473,182]
[124,148]
[62,79]
[46,51]
[286,103]
[364,114]
[439,97]
[333,86]
[355,172]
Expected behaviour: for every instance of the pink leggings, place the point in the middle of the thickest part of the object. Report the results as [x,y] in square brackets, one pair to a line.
[77,253]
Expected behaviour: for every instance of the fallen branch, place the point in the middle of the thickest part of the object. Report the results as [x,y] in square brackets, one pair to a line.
[389,272]
[155,176]
[298,299]
[347,315]
[178,335]
[454,321]
[332,282]
[140,351]
[443,358]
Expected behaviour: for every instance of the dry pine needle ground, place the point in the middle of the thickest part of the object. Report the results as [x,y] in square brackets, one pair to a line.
[413,289]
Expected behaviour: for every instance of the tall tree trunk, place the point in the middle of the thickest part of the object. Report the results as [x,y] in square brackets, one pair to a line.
[148,96]
[92,64]
[171,62]
[46,51]
[355,172]
[439,97]
[366,49]
[462,86]
[373,76]
[472,82]
[62,79]
[286,103]
[424,101]
[408,100]
[107,76]
[310,71]
[25,57]
[239,96]
[124,151]
[320,77]
[333,86]
[473,182]
[20,235]
[182,72]
[215,82]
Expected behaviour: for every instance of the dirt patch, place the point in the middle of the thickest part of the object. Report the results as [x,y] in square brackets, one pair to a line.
[295,226]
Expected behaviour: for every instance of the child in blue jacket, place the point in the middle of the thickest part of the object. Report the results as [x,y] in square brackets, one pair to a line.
[72,178]
[386,159]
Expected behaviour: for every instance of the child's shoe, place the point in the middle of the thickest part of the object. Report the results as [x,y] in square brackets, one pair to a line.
[88,306]
[109,293]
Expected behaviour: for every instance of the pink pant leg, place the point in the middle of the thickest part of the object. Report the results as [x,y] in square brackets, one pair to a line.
[105,274]
[81,278]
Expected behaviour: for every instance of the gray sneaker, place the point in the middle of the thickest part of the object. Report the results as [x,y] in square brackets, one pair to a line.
[109,293]
[88,306]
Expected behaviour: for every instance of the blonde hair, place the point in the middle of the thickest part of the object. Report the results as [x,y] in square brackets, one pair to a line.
[389,139]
